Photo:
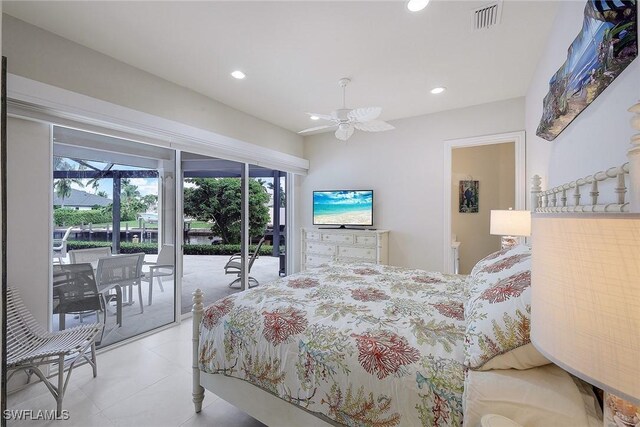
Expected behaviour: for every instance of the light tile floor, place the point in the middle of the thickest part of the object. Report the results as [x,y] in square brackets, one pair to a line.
[144,383]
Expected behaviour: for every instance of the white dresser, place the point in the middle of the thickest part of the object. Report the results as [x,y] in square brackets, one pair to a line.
[322,245]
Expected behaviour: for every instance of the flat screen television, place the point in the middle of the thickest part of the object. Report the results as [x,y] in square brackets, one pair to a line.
[343,208]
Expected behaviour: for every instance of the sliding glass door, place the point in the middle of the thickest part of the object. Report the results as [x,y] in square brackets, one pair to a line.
[113,208]
[233,228]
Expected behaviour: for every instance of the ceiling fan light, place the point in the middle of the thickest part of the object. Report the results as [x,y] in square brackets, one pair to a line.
[237,74]
[437,90]
[417,5]
[314,117]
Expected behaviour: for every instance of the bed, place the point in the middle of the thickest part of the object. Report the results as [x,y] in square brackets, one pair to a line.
[375,345]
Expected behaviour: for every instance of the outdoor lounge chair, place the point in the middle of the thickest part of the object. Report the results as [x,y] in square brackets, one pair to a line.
[29,346]
[118,271]
[75,292]
[60,246]
[91,255]
[234,266]
[161,268]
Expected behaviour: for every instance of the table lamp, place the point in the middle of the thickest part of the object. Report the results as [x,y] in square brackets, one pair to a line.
[510,224]
[585,308]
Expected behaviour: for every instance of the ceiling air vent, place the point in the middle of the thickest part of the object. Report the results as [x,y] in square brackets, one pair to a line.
[487,16]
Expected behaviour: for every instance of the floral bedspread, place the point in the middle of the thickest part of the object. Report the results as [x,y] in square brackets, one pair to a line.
[360,344]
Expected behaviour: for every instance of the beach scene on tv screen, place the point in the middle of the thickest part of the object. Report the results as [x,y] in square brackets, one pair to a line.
[343,207]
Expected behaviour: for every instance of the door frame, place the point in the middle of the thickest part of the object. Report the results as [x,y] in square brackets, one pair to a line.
[519,140]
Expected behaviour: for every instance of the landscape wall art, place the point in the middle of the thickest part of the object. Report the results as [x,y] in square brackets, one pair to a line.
[607,43]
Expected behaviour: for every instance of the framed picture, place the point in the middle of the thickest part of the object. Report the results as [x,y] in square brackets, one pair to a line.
[469,196]
[606,44]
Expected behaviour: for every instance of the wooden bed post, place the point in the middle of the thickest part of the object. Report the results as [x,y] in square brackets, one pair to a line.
[634,161]
[198,308]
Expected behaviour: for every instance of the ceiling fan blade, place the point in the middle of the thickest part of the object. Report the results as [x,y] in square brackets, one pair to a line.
[374,126]
[322,116]
[344,133]
[317,128]
[365,114]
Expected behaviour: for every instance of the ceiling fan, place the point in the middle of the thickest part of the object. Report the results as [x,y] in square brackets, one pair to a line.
[346,119]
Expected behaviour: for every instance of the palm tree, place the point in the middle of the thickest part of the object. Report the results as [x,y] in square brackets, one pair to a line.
[62,186]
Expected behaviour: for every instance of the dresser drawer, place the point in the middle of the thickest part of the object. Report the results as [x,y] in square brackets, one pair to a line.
[338,238]
[315,260]
[320,248]
[366,240]
[367,254]
[313,235]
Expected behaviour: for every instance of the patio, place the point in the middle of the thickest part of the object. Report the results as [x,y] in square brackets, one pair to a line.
[200,271]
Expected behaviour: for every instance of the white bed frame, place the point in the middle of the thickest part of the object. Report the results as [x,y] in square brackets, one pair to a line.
[557,199]
[569,197]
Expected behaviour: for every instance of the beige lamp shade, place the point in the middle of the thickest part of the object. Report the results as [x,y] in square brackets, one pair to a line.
[510,223]
[585,307]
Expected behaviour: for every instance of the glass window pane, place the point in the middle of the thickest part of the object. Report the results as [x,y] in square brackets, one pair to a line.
[114,210]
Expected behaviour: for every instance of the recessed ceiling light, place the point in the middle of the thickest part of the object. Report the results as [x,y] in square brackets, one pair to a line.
[314,117]
[238,75]
[417,5]
[437,90]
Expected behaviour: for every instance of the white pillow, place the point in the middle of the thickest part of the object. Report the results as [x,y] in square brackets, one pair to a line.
[498,313]
[540,397]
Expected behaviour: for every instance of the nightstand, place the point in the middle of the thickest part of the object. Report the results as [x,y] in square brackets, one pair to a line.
[494,420]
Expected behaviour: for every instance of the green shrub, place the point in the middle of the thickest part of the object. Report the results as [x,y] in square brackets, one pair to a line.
[69,217]
[81,244]
[125,247]
[152,248]
[222,249]
[132,248]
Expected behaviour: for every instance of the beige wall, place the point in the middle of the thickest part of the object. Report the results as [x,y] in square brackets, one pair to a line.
[43,56]
[494,167]
[405,169]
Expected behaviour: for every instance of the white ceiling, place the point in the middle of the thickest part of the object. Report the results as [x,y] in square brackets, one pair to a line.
[294,52]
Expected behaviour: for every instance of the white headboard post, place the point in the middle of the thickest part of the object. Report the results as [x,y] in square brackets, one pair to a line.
[536,189]
[634,161]
[556,200]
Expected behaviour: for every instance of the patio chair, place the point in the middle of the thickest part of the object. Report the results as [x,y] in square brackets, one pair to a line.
[234,266]
[161,268]
[91,255]
[60,246]
[75,292]
[29,346]
[119,271]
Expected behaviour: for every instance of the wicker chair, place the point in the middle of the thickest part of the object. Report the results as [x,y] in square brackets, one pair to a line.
[30,346]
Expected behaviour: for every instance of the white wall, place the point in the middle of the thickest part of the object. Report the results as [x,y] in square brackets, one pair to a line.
[29,197]
[404,167]
[599,137]
[43,56]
